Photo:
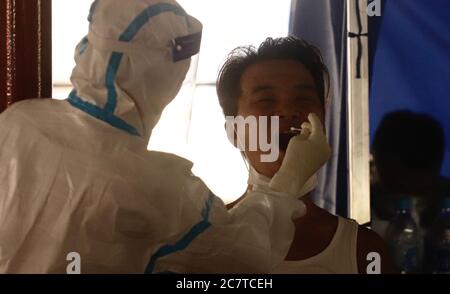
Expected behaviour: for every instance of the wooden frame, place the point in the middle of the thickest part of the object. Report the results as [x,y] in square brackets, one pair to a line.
[25,50]
[358,112]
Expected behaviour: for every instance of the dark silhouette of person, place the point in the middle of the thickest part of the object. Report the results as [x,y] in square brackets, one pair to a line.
[408,151]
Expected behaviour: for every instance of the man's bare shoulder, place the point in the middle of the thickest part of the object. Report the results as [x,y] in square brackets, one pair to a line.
[370,242]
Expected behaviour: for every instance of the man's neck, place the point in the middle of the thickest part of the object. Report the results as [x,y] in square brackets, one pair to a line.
[312,210]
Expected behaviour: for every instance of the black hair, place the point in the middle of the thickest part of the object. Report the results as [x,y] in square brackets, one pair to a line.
[288,48]
[414,141]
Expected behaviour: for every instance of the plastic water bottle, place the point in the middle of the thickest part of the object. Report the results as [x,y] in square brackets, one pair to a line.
[404,239]
[441,240]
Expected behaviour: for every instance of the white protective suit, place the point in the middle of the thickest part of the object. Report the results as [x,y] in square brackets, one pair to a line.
[76,175]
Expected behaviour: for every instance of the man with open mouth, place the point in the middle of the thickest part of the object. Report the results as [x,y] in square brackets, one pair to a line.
[287,79]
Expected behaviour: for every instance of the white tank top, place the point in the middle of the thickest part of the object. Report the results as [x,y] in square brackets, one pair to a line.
[338,258]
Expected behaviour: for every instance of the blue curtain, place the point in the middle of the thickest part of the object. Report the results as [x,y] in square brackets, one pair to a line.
[323,24]
[411,62]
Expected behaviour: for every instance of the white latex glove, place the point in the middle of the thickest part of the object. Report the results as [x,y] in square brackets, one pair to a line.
[305,155]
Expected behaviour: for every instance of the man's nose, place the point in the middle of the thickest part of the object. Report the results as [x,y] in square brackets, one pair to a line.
[292,116]
[288,109]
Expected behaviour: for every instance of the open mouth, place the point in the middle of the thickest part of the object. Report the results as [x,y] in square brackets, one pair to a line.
[285,137]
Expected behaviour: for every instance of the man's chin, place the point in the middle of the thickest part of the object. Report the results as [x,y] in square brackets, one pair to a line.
[268,168]
[275,166]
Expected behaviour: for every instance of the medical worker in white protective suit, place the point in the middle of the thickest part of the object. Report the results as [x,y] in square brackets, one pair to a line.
[76,178]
